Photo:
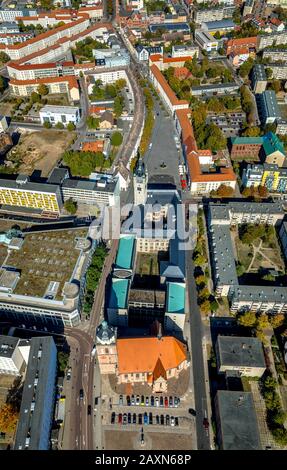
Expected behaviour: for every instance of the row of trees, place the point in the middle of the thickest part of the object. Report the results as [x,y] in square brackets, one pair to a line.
[275,414]
[207,136]
[59,125]
[220,105]
[249,233]
[149,121]
[246,103]
[255,194]
[222,191]
[93,276]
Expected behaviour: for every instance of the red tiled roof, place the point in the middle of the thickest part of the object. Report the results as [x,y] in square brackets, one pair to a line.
[72,81]
[165,86]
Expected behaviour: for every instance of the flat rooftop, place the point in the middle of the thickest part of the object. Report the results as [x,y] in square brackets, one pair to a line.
[118,293]
[45,257]
[49,108]
[237,421]
[147,296]
[240,351]
[124,259]
[175,297]
[7,346]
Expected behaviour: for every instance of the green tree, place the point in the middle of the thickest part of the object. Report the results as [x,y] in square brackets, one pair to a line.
[118,106]
[83,163]
[63,360]
[35,97]
[252,132]
[116,139]
[42,89]
[275,85]
[247,319]
[92,122]
[71,206]
[262,321]
[276,320]
[71,126]
[2,84]
[4,58]
[217,35]
[245,68]
[59,125]
[47,125]
[205,307]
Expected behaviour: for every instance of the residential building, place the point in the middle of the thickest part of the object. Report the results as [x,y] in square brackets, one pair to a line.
[9,27]
[215,13]
[171,28]
[268,148]
[279,70]
[229,123]
[248,7]
[236,421]
[242,355]
[273,39]
[14,354]
[223,26]
[59,114]
[235,45]
[272,177]
[144,52]
[207,42]
[26,194]
[264,299]
[35,71]
[258,78]
[110,58]
[268,107]
[281,128]
[275,54]
[106,77]
[106,120]
[4,123]
[239,57]
[184,51]
[216,89]
[10,15]
[68,85]
[37,405]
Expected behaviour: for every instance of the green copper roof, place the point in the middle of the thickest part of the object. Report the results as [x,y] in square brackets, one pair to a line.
[271,143]
[175,297]
[125,253]
[119,293]
[247,140]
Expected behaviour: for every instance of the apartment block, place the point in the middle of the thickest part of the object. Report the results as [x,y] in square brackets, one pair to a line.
[272,177]
[258,78]
[68,85]
[268,108]
[206,41]
[275,54]
[100,190]
[273,39]
[279,71]
[14,354]
[60,114]
[184,51]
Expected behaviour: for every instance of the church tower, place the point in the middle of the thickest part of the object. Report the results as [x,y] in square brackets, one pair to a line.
[140,183]
[106,348]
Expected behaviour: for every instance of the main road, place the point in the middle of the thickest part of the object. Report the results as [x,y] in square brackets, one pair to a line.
[78,433]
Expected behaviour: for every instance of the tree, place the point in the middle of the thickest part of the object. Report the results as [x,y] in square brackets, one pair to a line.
[120,84]
[200,280]
[8,418]
[118,106]
[217,35]
[83,163]
[262,321]
[71,206]
[47,125]
[275,85]
[205,307]
[71,126]
[199,260]
[59,125]
[2,84]
[252,132]
[63,360]
[223,191]
[4,58]
[276,320]
[43,89]
[92,122]
[245,68]
[247,319]
[204,294]
[269,73]
[262,191]
[35,97]
[116,139]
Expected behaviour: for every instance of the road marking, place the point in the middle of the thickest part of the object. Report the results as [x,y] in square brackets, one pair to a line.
[84,443]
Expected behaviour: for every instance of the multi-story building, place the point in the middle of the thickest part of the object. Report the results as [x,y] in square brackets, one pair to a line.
[272,177]
[60,114]
[268,148]
[207,42]
[9,14]
[110,58]
[184,51]
[68,85]
[273,39]
[258,78]
[275,54]
[235,45]
[215,13]
[268,108]
[144,52]
[106,77]
[229,123]
[281,128]
[14,354]
[15,38]
[37,405]
[100,189]
[36,71]
[242,355]
[26,194]
[236,421]
[216,89]
[223,26]
[279,70]
[248,7]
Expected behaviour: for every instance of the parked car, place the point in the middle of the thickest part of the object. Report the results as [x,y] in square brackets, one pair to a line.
[172,421]
[161,401]
[137,400]
[176,421]
[147,401]
[113,417]
[192,411]
[156,401]
[176,402]
[145,418]
[152,401]
[89,409]
[166,402]
[120,418]
[150,418]
[133,400]
[167,420]
[128,400]
[81,394]
[129,418]
[170,402]
[157,419]
[121,400]
[134,418]
[69,373]
[140,418]
[161,419]
[125,418]
[142,400]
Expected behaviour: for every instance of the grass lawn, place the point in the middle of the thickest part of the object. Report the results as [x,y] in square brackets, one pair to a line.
[147,264]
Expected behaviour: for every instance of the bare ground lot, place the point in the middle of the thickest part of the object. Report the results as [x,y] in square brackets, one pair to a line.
[40,150]
[129,440]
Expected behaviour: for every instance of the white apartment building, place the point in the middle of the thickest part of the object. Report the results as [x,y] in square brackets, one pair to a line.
[35,71]
[100,190]
[272,39]
[67,85]
[107,77]
[206,41]
[184,51]
[10,14]
[62,114]
[14,354]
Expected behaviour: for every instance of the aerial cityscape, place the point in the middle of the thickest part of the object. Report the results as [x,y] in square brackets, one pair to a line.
[143,225]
